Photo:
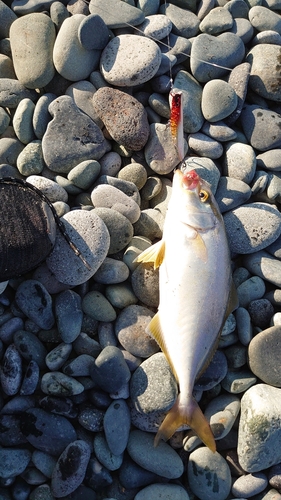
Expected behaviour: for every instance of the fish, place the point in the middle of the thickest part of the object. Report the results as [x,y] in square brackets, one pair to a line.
[176,120]
[196,295]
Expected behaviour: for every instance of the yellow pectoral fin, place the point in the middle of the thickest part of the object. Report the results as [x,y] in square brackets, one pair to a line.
[155,254]
[154,329]
[199,248]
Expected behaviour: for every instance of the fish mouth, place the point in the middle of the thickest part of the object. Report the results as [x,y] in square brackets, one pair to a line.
[190,180]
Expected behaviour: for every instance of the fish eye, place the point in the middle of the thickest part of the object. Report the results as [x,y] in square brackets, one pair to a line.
[203,195]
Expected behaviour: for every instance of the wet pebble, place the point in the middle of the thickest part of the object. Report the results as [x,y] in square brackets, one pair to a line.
[36,303]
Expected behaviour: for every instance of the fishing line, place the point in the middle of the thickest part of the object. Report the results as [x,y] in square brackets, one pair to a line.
[166,45]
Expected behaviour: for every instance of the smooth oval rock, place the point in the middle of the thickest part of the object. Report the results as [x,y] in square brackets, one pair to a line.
[116,423]
[34,68]
[90,235]
[262,127]
[111,197]
[36,303]
[239,161]
[264,70]
[70,469]
[219,100]
[264,356]
[259,429]
[119,228]
[208,475]
[163,492]
[110,371]
[162,460]
[256,224]
[69,315]
[142,59]
[95,305]
[58,384]
[13,461]
[11,371]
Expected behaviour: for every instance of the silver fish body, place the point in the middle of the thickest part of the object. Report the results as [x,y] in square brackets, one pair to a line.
[196,294]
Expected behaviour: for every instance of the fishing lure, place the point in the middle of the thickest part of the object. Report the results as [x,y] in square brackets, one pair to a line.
[176,120]
[27,228]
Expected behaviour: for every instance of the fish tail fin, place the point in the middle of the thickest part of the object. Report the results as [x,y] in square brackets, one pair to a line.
[186,415]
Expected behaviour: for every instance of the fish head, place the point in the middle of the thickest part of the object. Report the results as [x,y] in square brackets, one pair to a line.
[195,202]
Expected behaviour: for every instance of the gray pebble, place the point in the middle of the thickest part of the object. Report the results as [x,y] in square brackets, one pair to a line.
[44,462]
[219,131]
[242,28]
[239,161]
[108,196]
[47,432]
[162,460]
[115,15]
[116,424]
[264,60]
[185,23]
[142,58]
[89,233]
[264,356]
[221,412]
[237,381]
[11,371]
[208,474]
[231,193]
[204,145]
[7,17]
[30,160]
[79,366]
[130,330]
[265,266]
[85,139]
[251,289]
[12,92]
[31,379]
[82,93]
[36,303]
[84,174]
[30,347]
[77,63]
[128,187]
[226,49]
[104,454]
[153,387]
[70,469]
[163,492]
[22,121]
[95,305]
[156,26]
[249,485]
[58,384]
[219,100]
[13,462]
[49,188]
[110,163]
[258,437]
[84,344]
[268,36]
[216,21]
[120,295]
[9,150]
[111,271]
[134,172]
[261,127]
[119,228]
[150,224]
[261,312]
[69,315]
[270,160]
[263,19]
[145,284]
[110,371]
[56,358]
[257,224]
[93,33]
[9,327]
[91,418]
[34,69]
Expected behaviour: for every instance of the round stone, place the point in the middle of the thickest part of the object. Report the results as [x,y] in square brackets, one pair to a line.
[208,475]
[145,284]
[116,424]
[219,100]
[93,33]
[264,69]
[231,193]
[262,127]
[264,356]
[95,305]
[141,57]
[108,196]
[252,227]
[249,485]
[239,161]
[70,469]
[34,68]
[111,371]
[119,228]
[162,492]
[130,329]
[216,21]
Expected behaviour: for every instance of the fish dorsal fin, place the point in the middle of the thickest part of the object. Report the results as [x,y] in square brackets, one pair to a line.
[154,254]
[199,247]
[154,329]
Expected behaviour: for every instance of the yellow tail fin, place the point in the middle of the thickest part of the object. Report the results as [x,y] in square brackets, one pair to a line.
[186,415]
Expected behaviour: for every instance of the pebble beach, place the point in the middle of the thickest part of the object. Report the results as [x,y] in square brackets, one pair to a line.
[84,117]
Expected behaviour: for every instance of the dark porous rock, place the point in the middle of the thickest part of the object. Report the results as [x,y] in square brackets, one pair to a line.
[71,137]
[36,303]
[91,419]
[30,379]
[10,431]
[261,312]
[110,370]
[60,406]
[47,432]
[13,461]
[70,469]
[124,117]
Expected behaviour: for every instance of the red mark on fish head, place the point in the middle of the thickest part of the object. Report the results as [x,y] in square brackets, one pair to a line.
[190,180]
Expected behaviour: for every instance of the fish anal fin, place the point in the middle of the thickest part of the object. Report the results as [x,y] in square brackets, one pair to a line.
[154,329]
[191,415]
[199,248]
[154,254]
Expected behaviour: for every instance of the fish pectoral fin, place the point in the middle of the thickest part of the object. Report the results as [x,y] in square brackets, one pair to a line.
[154,254]
[154,330]
[190,415]
[199,248]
